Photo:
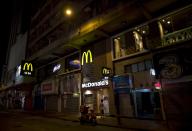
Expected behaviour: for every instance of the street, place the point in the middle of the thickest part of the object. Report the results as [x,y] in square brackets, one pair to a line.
[26,122]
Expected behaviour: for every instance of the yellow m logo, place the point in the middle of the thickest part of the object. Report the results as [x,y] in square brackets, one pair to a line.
[105,71]
[87,55]
[29,66]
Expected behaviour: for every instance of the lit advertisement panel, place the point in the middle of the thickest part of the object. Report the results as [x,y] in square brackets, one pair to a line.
[72,62]
[27,68]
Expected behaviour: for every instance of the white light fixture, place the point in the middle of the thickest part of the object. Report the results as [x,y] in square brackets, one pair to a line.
[56,67]
[152,72]
[18,71]
[144,31]
[88,92]
[75,94]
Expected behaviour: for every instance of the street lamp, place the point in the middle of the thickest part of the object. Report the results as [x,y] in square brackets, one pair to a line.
[68,12]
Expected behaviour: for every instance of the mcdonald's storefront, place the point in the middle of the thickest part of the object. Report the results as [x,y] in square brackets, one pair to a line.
[96,85]
[95,92]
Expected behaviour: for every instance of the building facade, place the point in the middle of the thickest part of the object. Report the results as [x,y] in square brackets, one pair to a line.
[121,53]
[155,55]
[17,89]
[107,36]
[96,72]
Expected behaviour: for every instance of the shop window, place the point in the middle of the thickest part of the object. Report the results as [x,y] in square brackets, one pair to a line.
[141,66]
[130,42]
[124,45]
[70,83]
[176,27]
[166,24]
[134,68]
[127,69]
[118,42]
[138,67]
[148,64]
[176,21]
[138,41]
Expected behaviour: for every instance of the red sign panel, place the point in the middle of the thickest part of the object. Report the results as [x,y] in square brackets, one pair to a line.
[47,87]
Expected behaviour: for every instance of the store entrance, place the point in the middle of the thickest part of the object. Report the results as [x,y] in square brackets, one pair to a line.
[95,98]
[147,103]
[103,99]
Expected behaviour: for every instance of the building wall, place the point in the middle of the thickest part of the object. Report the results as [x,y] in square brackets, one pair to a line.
[70,93]
[49,90]
[102,57]
[17,54]
[65,85]
[176,85]
[119,65]
[92,72]
[19,49]
[109,64]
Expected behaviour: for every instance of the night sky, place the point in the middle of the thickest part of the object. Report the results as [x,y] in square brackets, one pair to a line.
[6,17]
[29,7]
[6,14]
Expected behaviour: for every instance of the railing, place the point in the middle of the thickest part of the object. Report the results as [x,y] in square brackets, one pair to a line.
[177,36]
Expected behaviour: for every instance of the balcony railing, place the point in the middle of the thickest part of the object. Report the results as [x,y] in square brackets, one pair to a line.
[177,36]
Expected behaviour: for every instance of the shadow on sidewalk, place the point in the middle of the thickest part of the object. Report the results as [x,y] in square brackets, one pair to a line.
[128,123]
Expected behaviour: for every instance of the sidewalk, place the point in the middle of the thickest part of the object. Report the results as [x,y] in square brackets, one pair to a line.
[138,124]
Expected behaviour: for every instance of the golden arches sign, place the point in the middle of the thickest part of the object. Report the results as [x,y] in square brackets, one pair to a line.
[87,56]
[106,71]
[29,67]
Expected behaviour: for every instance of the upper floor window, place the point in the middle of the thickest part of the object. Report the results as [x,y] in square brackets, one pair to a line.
[130,42]
[176,27]
[139,67]
[177,21]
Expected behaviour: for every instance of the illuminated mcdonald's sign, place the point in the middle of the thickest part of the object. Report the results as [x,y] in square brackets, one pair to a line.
[106,71]
[86,56]
[27,68]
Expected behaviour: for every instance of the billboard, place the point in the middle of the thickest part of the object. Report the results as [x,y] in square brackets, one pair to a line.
[174,63]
